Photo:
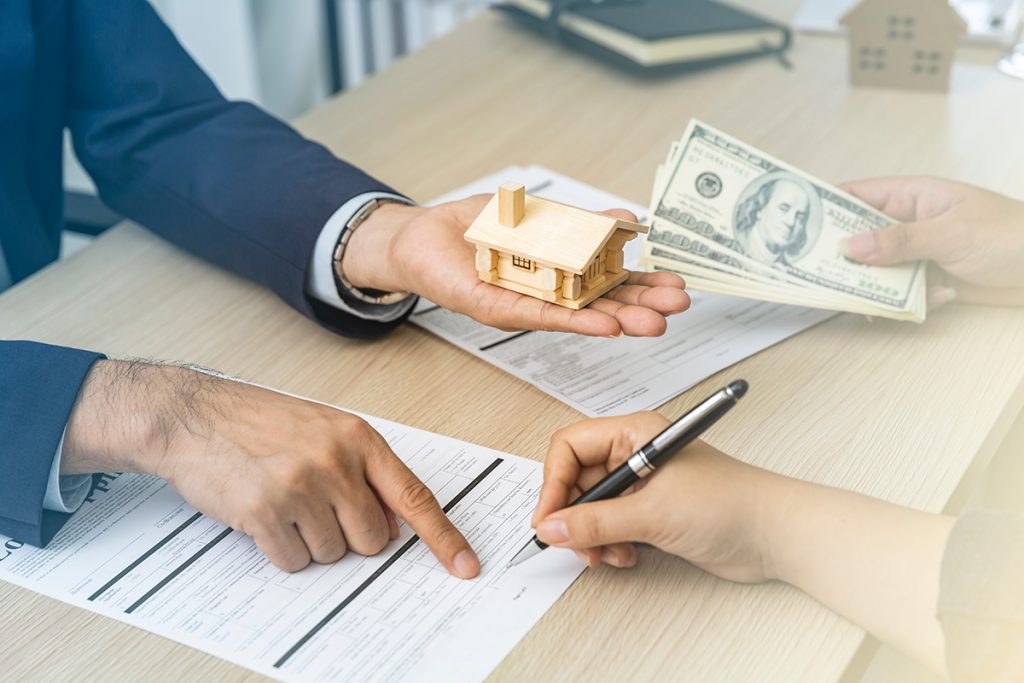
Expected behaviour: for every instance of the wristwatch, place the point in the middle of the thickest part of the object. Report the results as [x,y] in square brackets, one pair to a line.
[347,289]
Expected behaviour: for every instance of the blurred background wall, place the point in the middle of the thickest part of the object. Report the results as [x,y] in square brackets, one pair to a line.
[285,55]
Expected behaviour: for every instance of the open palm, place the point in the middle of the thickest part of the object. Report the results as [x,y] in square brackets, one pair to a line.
[436,261]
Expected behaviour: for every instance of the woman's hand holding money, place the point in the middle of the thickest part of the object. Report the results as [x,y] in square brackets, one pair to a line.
[974,238]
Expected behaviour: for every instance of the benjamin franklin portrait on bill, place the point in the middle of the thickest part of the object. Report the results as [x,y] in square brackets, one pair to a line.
[778,218]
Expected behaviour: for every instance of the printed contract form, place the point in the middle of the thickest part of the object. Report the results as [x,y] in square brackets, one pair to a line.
[140,554]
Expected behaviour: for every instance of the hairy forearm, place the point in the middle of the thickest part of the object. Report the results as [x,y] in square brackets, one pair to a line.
[875,563]
[130,415]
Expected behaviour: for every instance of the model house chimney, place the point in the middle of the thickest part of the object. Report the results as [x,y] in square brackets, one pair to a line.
[511,204]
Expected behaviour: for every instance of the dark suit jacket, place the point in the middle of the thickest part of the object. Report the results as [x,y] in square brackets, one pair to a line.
[223,180]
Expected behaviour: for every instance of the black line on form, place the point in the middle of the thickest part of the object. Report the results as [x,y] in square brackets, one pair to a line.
[502,341]
[173,575]
[428,309]
[380,570]
[145,556]
[471,485]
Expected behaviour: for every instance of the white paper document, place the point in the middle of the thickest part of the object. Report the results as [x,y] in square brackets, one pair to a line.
[138,553]
[599,376]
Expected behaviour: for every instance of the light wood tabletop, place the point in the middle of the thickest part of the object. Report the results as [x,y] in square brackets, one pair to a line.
[909,413]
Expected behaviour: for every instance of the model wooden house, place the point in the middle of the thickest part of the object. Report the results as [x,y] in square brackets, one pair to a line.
[548,250]
[903,43]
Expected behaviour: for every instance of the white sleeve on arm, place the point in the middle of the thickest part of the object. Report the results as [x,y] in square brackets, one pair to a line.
[65,493]
[320,281]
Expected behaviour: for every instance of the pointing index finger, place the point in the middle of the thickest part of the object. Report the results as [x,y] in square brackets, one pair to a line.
[410,498]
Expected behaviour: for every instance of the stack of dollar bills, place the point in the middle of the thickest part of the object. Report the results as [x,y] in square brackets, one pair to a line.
[732,219]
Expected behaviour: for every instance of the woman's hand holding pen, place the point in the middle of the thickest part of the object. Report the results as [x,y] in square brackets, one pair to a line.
[704,506]
[873,562]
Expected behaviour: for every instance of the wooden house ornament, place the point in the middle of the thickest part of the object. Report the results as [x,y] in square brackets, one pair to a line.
[906,44]
[550,251]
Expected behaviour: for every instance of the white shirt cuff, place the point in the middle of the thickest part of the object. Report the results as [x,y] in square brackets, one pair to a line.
[320,277]
[67,493]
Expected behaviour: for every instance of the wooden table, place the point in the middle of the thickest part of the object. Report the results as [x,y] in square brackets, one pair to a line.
[908,413]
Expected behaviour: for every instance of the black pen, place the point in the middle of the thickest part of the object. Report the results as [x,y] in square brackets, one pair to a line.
[673,439]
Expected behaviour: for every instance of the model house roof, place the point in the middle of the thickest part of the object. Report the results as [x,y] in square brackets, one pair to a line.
[869,10]
[563,236]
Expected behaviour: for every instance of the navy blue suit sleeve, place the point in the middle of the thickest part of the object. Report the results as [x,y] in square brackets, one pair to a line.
[38,387]
[223,180]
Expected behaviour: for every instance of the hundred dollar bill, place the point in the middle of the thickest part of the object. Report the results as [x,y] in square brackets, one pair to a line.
[664,237]
[700,276]
[742,213]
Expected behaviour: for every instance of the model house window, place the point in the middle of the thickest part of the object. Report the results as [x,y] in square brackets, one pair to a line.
[927,62]
[872,58]
[901,28]
[521,262]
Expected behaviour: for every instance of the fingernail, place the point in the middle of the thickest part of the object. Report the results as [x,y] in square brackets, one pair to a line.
[553,531]
[583,556]
[466,564]
[942,296]
[859,247]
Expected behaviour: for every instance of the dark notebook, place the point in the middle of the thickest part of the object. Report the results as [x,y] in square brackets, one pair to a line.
[655,35]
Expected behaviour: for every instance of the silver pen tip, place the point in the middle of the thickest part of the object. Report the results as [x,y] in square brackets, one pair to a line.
[528,551]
